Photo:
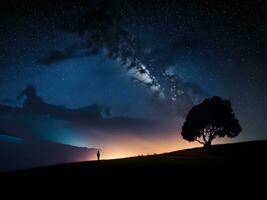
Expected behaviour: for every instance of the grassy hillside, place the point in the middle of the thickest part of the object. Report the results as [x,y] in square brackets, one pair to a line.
[231,169]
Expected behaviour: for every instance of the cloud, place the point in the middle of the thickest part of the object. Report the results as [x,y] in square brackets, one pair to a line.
[61,128]
[38,119]
[56,56]
[53,57]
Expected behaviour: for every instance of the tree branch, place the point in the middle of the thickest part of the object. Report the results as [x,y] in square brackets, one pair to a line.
[200,142]
[204,138]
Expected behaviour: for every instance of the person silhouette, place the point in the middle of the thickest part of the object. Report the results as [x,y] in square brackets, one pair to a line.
[98,155]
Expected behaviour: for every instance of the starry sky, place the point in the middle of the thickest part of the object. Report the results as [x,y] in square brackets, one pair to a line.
[147,61]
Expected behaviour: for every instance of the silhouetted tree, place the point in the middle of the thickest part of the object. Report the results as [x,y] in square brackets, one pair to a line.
[210,119]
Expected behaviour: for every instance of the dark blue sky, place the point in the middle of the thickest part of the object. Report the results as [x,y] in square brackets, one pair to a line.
[75,54]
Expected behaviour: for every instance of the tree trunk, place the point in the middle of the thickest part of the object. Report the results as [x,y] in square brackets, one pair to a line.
[207,144]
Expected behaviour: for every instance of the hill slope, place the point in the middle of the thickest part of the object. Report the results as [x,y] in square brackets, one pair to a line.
[238,169]
[23,154]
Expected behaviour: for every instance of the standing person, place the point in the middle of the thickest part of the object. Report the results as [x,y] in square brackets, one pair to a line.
[98,155]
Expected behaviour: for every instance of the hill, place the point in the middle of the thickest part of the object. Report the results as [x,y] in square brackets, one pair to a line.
[16,153]
[237,170]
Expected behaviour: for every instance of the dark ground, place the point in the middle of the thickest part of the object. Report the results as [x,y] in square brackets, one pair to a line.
[223,171]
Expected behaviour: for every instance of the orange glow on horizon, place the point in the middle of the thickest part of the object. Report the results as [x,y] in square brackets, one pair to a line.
[129,145]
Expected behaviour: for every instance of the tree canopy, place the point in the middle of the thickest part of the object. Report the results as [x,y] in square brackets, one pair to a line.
[212,118]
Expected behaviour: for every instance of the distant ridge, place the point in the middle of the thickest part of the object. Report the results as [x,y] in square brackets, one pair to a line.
[19,154]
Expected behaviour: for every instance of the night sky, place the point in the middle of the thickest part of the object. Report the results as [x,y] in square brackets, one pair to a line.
[146,62]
